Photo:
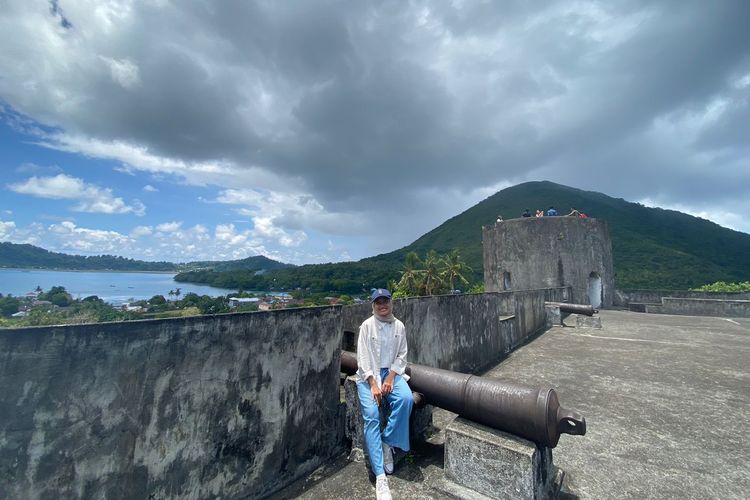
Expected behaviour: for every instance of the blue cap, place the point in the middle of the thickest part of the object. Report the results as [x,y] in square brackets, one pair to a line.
[379,292]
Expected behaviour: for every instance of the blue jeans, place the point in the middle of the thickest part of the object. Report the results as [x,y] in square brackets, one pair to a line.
[396,433]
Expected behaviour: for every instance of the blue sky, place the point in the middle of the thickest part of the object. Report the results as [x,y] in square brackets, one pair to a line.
[329,131]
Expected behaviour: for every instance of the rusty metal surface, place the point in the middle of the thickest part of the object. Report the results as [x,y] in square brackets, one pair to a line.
[530,412]
[585,309]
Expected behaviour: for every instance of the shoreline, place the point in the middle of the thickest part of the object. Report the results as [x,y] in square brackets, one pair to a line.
[62,270]
[111,285]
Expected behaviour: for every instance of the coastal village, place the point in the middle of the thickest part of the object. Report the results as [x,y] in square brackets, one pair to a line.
[58,306]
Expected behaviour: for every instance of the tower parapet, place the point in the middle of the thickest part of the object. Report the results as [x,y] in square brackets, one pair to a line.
[527,253]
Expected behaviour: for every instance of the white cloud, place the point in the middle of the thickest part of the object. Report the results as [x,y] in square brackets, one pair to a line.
[32,168]
[74,238]
[140,231]
[6,229]
[226,233]
[224,242]
[277,213]
[90,198]
[264,227]
[727,218]
[310,115]
[169,227]
[124,72]
[149,188]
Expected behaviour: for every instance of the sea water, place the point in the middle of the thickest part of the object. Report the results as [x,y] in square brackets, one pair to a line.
[113,287]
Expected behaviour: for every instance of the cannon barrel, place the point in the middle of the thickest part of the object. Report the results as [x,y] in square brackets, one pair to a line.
[588,310]
[530,412]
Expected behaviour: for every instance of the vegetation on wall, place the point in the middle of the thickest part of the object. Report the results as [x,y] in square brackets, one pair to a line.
[721,286]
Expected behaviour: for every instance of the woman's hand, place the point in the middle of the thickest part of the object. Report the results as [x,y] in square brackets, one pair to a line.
[388,383]
[377,395]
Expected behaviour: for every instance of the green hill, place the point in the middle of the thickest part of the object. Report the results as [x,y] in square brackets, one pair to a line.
[256,263]
[30,256]
[653,248]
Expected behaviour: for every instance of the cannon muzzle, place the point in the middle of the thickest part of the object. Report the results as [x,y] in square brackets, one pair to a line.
[586,309]
[532,413]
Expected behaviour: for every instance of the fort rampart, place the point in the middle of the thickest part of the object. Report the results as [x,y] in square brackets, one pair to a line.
[226,406]
[623,298]
[528,253]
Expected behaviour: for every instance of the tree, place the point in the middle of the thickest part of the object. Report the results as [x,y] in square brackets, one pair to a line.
[722,286]
[58,296]
[9,305]
[434,275]
[454,269]
[208,305]
[411,277]
[157,300]
[432,280]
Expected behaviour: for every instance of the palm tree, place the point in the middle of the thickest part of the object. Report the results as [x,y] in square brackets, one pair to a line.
[454,269]
[411,276]
[177,293]
[432,281]
[171,293]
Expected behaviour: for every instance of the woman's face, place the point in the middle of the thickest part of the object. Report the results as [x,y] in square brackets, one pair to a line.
[383,306]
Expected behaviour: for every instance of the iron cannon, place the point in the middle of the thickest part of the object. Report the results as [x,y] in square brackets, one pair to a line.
[588,310]
[532,413]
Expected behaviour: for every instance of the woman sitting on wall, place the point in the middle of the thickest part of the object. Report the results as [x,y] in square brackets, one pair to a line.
[381,356]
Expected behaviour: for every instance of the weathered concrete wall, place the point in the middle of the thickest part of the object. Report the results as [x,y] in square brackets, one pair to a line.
[704,307]
[465,333]
[623,298]
[207,407]
[226,406]
[546,252]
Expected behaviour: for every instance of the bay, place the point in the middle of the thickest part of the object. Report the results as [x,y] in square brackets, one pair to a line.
[113,287]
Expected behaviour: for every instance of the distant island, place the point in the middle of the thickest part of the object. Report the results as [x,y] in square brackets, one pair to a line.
[25,256]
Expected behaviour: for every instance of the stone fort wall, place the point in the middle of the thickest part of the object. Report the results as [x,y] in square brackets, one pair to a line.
[528,253]
[227,406]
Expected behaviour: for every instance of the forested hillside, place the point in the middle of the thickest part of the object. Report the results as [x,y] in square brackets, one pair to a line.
[652,247]
[31,257]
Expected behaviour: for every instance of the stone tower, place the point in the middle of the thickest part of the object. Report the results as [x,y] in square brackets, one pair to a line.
[526,253]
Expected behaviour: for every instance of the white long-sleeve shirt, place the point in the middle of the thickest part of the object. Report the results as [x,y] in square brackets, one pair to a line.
[375,351]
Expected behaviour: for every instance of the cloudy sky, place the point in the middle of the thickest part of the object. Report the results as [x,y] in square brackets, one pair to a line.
[317,131]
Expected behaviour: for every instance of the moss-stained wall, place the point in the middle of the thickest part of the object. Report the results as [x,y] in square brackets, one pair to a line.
[522,254]
[465,333]
[228,406]
[207,407]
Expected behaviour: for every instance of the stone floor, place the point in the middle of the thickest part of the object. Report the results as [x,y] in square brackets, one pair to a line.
[666,399]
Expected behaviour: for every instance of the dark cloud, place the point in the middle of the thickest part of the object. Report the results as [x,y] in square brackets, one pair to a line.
[56,11]
[366,104]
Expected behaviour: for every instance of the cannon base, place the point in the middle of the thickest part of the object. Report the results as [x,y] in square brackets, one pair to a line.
[419,423]
[481,462]
[555,317]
